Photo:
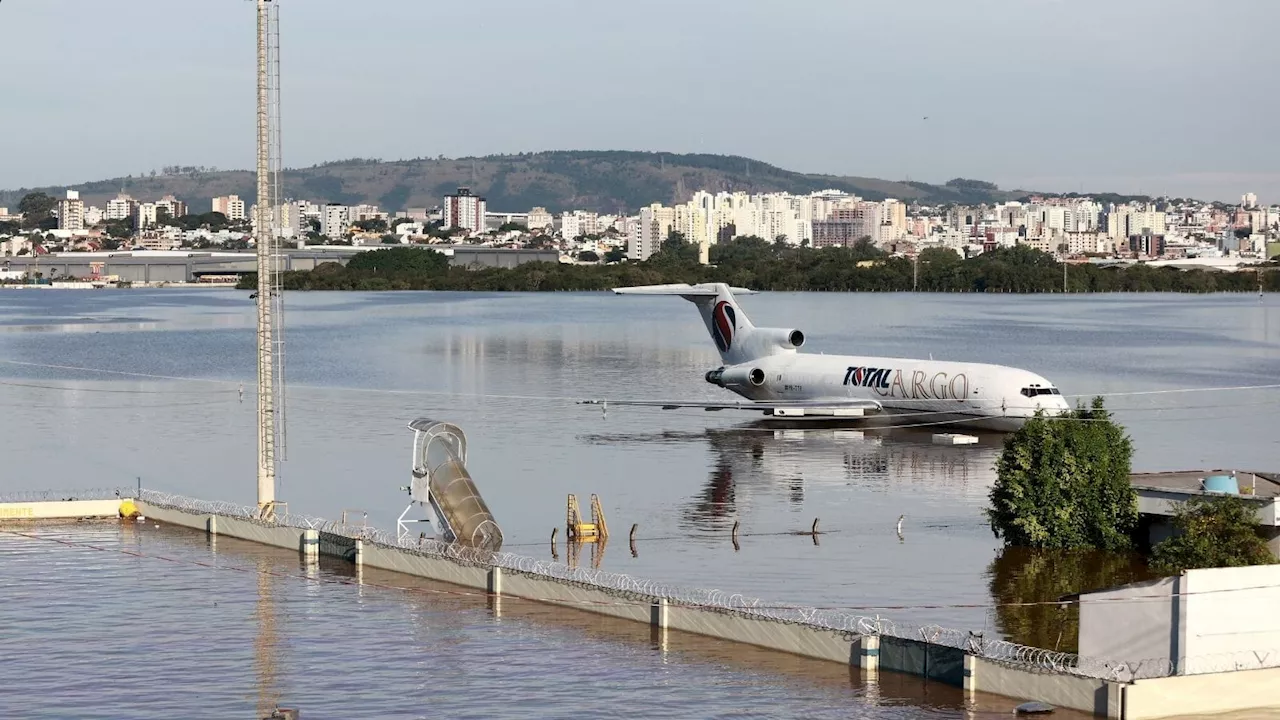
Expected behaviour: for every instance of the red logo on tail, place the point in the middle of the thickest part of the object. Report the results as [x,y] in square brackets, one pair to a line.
[723,323]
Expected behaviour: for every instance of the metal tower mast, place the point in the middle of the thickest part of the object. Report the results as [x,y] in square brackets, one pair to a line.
[267,240]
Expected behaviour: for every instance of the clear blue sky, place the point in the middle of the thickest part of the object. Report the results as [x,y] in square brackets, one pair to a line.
[1157,96]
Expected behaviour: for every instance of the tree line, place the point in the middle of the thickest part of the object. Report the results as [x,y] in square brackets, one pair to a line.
[762,265]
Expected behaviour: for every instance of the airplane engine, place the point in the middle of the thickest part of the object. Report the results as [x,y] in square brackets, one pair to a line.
[737,376]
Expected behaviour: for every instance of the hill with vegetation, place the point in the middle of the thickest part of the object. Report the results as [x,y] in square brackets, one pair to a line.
[604,181]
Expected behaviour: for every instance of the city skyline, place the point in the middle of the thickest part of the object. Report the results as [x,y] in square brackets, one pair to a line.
[1136,97]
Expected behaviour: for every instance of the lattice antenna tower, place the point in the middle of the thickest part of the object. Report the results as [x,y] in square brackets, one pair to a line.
[270,261]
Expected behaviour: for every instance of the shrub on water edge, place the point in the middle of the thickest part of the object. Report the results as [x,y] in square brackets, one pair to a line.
[1212,531]
[1063,482]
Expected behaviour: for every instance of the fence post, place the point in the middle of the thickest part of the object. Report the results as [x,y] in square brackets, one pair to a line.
[495,581]
[211,525]
[658,614]
[970,675]
[310,543]
[869,653]
[359,553]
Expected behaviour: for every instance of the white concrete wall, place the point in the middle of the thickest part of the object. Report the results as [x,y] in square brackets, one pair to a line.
[1190,695]
[1231,610]
[1069,691]
[60,509]
[1130,623]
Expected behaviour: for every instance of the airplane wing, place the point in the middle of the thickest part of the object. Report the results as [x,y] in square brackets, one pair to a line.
[781,408]
[681,289]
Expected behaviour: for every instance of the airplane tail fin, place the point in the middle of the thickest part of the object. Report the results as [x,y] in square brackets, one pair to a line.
[730,328]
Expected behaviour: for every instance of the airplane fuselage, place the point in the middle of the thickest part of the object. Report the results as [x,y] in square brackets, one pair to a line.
[992,397]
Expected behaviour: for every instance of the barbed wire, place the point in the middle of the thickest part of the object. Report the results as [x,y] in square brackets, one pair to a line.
[629,590]
[29,496]
[645,591]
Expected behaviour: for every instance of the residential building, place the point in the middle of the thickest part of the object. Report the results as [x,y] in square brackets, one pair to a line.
[93,215]
[894,223]
[655,224]
[1147,244]
[356,213]
[464,210]
[540,219]
[1085,241]
[71,212]
[834,233]
[334,221]
[172,205]
[121,207]
[1249,201]
[144,215]
[573,224]
[231,206]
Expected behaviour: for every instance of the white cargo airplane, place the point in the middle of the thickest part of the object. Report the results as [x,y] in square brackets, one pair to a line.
[762,365]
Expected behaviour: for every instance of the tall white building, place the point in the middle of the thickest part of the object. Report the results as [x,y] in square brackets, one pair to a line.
[655,224]
[144,215]
[893,225]
[121,207]
[464,210]
[1249,200]
[335,220]
[71,212]
[93,215]
[231,206]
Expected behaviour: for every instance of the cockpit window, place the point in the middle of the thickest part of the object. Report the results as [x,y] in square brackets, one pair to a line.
[1034,391]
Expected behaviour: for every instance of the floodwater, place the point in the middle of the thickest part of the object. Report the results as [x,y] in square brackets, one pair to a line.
[110,388]
[145,622]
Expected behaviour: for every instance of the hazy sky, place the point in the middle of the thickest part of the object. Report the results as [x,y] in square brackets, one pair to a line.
[1153,96]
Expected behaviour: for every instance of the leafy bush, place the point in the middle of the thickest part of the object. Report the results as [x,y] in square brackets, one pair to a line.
[1063,482]
[1212,532]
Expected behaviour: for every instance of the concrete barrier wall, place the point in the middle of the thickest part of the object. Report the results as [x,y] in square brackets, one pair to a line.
[1202,694]
[980,675]
[289,538]
[803,640]
[1099,697]
[433,568]
[60,509]
[581,597]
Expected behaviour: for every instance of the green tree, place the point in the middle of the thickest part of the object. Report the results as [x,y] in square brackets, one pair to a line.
[509,226]
[121,228]
[1212,532]
[371,225]
[588,256]
[615,255]
[8,227]
[1063,482]
[676,250]
[37,210]
[400,261]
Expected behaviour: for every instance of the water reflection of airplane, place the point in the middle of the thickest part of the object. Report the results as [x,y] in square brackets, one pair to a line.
[760,458]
